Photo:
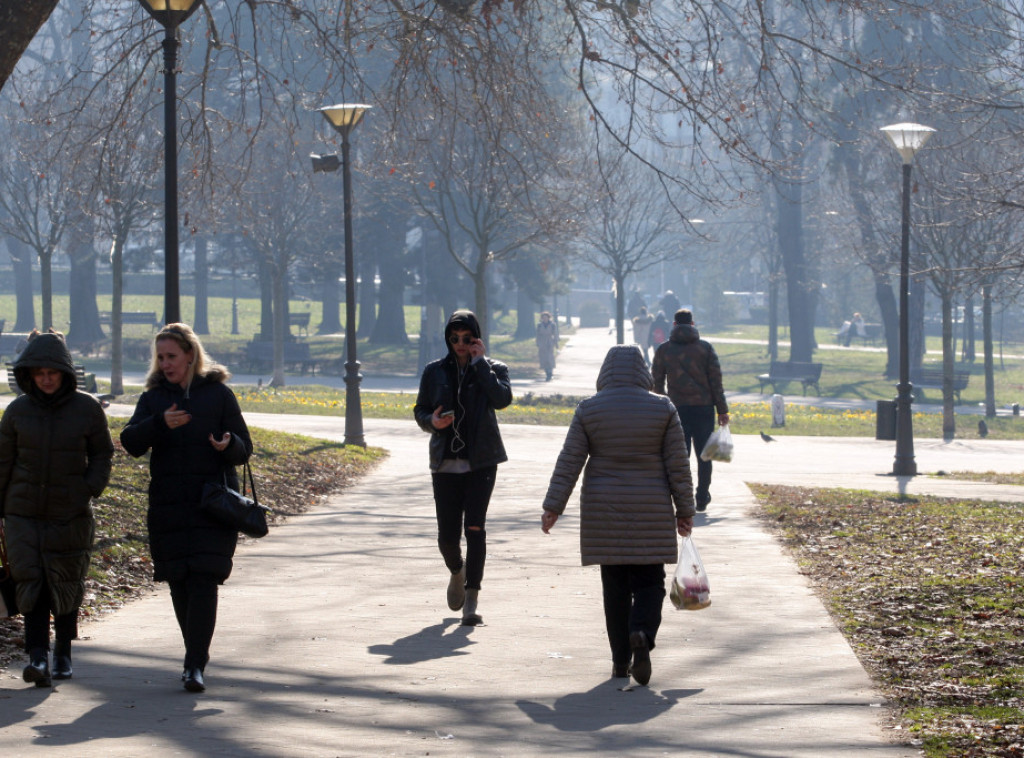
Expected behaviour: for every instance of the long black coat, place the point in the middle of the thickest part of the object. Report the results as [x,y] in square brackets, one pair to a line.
[182,539]
[55,456]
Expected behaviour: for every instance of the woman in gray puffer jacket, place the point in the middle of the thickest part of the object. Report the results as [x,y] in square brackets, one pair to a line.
[637,493]
[55,456]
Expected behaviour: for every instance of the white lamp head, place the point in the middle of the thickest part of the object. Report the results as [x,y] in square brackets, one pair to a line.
[908,138]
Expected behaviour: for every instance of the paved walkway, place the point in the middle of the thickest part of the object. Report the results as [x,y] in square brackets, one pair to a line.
[334,638]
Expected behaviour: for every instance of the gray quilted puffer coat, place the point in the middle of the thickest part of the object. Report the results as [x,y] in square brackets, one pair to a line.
[629,445]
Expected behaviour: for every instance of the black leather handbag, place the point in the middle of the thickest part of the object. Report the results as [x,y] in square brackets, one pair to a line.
[234,509]
[8,596]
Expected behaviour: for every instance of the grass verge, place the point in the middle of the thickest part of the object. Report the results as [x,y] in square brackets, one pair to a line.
[293,473]
[929,593]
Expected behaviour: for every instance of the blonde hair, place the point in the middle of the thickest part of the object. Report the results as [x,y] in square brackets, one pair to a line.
[200,365]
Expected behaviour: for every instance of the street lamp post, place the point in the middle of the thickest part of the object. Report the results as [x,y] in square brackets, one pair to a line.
[344,118]
[907,139]
[170,13]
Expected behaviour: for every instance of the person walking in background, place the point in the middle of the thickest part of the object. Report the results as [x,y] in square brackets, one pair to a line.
[190,421]
[547,342]
[636,302]
[55,456]
[642,332]
[659,330]
[686,368]
[456,404]
[669,303]
[637,493]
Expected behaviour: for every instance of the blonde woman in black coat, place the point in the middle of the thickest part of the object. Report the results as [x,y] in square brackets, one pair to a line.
[55,456]
[190,420]
[637,494]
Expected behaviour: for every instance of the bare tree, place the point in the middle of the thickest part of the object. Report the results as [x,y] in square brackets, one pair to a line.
[631,227]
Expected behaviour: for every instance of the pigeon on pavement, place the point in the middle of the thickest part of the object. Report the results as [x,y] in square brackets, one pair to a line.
[767,438]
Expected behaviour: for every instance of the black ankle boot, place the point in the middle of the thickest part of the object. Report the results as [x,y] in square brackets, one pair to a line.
[38,669]
[62,660]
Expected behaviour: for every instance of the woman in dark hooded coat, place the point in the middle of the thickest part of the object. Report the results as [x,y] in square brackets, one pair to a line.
[190,420]
[55,456]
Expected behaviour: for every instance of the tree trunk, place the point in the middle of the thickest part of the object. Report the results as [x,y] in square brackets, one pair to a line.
[19,22]
[116,308]
[798,277]
[85,329]
[280,322]
[266,301]
[620,310]
[46,287]
[21,261]
[773,318]
[330,298]
[201,320]
[525,326]
[986,325]
[889,309]
[948,415]
[480,296]
[366,296]
[918,347]
[389,328]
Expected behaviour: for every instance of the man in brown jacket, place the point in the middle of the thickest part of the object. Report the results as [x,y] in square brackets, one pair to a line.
[689,367]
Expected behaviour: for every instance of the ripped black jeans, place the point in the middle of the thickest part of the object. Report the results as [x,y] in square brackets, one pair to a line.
[461,502]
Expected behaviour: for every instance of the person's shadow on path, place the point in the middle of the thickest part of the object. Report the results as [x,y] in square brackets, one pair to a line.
[602,706]
[107,721]
[430,643]
[23,704]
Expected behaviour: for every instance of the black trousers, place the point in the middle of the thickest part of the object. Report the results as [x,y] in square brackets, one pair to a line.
[633,597]
[461,501]
[37,625]
[195,606]
[698,423]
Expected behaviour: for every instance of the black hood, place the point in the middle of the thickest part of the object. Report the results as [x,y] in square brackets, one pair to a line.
[461,320]
[45,351]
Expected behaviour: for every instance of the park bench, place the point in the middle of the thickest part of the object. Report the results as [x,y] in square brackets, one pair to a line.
[300,320]
[930,377]
[146,318]
[9,343]
[86,383]
[781,373]
[259,354]
[872,333]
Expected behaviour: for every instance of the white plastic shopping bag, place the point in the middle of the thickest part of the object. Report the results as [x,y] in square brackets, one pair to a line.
[719,446]
[691,590]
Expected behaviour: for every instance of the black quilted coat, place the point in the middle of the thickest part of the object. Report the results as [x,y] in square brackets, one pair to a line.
[182,539]
[55,456]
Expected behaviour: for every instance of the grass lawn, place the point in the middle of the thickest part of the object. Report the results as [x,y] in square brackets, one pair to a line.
[929,593]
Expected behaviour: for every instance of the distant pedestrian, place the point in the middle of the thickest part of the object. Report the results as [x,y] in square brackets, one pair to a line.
[547,343]
[457,400]
[669,303]
[659,330]
[636,302]
[55,456]
[642,332]
[686,368]
[190,422]
[636,495]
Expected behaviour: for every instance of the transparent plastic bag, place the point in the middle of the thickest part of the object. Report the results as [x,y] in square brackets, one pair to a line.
[691,590]
[718,446]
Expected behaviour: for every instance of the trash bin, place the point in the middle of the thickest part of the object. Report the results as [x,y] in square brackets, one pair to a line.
[885,422]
